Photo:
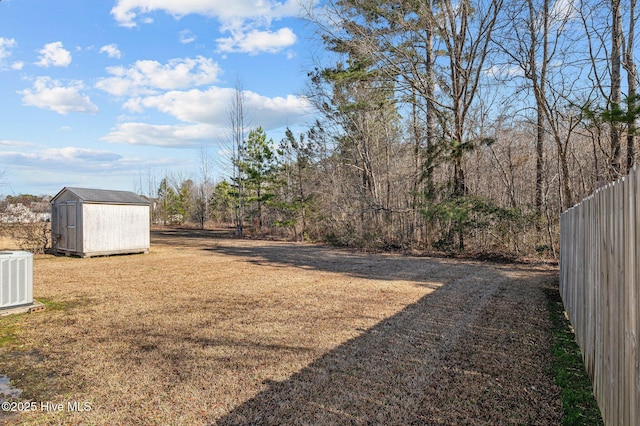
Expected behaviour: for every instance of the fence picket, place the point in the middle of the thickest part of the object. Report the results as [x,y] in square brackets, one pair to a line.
[600,288]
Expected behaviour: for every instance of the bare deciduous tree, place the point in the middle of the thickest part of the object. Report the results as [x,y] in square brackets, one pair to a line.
[237,122]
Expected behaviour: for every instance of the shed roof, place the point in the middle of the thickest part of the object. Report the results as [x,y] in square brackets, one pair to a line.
[104,196]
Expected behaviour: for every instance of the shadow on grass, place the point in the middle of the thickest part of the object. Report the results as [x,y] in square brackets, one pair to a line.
[427,271]
[169,236]
[474,351]
[454,357]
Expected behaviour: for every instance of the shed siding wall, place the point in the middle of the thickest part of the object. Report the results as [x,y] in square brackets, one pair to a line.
[113,228]
[66,196]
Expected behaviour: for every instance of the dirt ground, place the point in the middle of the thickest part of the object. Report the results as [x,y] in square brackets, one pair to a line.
[212,330]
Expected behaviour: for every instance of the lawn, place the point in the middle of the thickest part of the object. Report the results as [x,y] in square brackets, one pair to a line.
[209,330]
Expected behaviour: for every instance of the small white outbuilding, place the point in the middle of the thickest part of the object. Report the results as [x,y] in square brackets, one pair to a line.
[97,222]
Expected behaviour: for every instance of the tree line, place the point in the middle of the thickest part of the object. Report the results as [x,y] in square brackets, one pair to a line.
[444,125]
[454,126]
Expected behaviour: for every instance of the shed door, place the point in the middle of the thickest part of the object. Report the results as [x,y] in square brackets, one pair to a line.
[71,226]
[62,226]
[67,226]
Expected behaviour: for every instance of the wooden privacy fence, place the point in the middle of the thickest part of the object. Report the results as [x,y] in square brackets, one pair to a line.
[600,288]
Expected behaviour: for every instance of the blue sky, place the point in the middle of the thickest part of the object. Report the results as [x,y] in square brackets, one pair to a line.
[103,93]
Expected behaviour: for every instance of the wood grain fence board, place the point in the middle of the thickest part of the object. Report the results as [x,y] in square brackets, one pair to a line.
[616,305]
[624,408]
[600,288]
[634,316]
[595,370]
[611,307]
[604,272]
[631,300]
[590,277]
[589,353]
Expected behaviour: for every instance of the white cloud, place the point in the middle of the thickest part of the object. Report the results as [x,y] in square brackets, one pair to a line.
[111,50]
[248,21]
[194,106]
[51,94]
[54,54]
[172,136]
[125,12]
[83,154]
[49,169]
[6,44]
[147,77]
[186,37]
[562,11]
[211,106]
[206,111]
[61,158]
[505,70]
[254,41]
[16,144]
[43,170]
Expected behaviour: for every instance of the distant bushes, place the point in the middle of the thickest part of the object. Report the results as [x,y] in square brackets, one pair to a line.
[30,236]
[26,220]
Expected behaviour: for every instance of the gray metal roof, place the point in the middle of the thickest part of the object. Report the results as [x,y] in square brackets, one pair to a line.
[105,196]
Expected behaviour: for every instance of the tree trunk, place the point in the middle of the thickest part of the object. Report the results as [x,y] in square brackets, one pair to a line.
[616,46]
[236,121]
[539,86]
[630,67]
[429,94]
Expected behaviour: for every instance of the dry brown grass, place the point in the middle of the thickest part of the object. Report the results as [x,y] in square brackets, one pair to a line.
[205,330]
[7,243]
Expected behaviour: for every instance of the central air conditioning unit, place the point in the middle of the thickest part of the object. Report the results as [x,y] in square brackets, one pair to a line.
[16,279]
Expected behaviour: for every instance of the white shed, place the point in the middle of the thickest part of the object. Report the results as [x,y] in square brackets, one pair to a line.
[97,222]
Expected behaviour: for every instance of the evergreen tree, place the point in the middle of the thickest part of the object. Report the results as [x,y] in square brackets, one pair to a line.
[259,165]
